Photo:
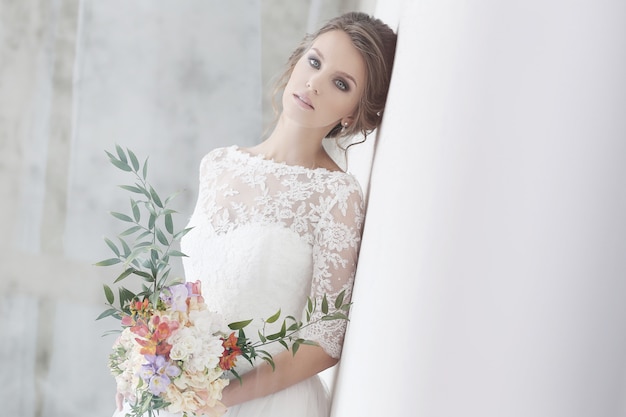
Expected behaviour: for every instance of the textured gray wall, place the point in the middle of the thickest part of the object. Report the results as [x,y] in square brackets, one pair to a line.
[169,80]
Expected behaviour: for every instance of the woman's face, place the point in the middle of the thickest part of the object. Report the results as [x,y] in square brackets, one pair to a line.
[326,83]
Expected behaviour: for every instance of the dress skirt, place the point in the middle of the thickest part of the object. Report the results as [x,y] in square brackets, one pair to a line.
[309,398]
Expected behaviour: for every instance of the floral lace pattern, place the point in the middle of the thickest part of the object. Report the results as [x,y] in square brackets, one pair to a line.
[301,226]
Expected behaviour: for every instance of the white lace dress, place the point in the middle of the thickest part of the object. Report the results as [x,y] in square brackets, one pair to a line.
[267,235]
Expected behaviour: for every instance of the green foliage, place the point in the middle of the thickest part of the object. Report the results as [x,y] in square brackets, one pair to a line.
[146,244]
[288,333]
[144,250]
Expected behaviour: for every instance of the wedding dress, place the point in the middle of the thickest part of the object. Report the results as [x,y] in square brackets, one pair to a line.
[267,235]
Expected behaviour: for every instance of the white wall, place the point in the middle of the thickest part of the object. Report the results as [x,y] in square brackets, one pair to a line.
[492,277]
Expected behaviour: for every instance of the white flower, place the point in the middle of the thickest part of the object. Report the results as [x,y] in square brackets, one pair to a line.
[206,322]
[184,344]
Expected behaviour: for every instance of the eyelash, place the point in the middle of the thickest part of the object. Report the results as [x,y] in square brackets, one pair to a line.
[341,84]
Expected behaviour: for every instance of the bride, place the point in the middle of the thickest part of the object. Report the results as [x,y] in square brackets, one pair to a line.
[279,222]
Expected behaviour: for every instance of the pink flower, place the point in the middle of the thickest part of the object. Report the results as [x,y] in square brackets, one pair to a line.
[195,290]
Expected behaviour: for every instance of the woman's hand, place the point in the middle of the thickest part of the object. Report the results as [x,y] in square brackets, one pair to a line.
[290,369]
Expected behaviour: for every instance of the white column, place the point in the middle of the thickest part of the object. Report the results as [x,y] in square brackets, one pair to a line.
[492,278]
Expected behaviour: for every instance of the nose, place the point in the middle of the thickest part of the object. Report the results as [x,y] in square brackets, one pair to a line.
[312,85]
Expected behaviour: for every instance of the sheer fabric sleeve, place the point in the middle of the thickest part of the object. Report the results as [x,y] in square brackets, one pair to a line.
[335,251]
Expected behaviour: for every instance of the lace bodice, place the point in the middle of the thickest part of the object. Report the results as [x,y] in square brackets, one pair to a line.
[266,235]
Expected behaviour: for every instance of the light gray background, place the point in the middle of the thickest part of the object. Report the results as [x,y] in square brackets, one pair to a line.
[168,79]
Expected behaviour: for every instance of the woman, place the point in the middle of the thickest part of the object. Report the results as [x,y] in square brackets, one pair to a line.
[280,221]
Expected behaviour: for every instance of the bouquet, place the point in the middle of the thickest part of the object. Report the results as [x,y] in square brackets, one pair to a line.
[173,353]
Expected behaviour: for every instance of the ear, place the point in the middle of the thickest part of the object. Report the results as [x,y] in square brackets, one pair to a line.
[347,121]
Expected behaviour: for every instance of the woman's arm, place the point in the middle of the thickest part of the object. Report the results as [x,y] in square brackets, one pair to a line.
[290,369]
[335,252]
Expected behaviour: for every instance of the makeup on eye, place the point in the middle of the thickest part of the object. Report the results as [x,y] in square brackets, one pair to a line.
[315,63]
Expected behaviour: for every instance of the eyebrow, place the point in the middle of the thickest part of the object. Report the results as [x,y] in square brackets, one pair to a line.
[345,74]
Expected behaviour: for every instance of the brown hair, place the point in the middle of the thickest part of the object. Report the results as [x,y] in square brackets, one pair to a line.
[377,44]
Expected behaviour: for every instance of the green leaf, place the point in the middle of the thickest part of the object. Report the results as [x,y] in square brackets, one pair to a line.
[169,198]
[176,253]
[274,317]
[236,375]
[133,160]
[121,216]
[325,305]
[108,293]
[182,233]
[309,305]
[125,295]
[151,221]
[143,245]
[339,300]
[108,262]
[282,342]
[335,316]
[121,165]
[121,154]
[125,247]
[112,246]
[155,198]
[295,347]
[275,336]
[161,236]
[309,342]
[136,212]
[145,169]
[267,358]
[107,313]
[238,325]
[130,231]
[132,189]
[123,275]
[169,224]
[144,234]
[262,338]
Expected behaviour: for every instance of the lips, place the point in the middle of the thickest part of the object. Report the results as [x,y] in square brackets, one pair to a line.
[304,101]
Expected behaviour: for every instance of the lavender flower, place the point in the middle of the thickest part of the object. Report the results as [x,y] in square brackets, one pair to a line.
[157,373]
[176,297]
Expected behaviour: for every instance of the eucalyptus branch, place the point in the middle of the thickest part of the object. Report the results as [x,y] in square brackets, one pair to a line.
[288,332]
[148,254]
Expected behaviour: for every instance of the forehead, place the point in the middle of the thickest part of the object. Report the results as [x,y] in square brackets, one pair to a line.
[340,54]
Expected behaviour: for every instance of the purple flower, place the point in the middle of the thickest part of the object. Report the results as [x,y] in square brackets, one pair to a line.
[157,373]
[158,384]
[146,372]
[176,297]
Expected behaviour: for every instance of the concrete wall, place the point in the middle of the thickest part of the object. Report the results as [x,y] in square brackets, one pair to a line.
[169,80]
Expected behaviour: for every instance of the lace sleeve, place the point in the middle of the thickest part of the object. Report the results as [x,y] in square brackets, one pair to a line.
[335,251]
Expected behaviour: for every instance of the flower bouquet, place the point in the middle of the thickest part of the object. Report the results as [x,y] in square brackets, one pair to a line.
[173,353]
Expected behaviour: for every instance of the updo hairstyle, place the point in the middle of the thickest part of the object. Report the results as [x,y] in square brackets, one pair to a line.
[376,43]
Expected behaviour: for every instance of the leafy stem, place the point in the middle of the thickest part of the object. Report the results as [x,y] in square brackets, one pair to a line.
[144,248]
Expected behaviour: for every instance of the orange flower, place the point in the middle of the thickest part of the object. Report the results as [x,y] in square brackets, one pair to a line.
[231,351]
[149,346]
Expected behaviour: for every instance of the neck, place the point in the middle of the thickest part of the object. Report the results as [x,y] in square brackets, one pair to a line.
[294,145]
